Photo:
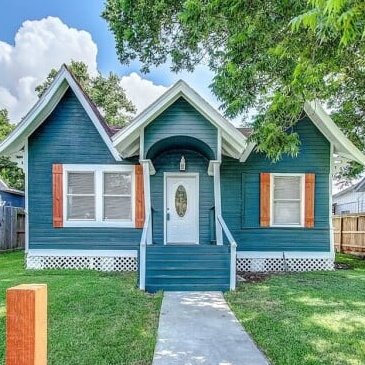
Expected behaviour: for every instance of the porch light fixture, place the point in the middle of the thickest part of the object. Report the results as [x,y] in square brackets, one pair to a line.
[182,164]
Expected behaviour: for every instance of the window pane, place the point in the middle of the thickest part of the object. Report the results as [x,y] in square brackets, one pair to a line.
[81,183]
[287,187]
[116,183]
[117,207]
[80,207]
[287,213]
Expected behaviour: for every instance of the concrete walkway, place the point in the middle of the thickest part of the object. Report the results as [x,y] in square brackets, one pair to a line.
[199,328]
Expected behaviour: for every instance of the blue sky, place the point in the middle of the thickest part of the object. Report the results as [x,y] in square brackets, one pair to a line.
[85,15]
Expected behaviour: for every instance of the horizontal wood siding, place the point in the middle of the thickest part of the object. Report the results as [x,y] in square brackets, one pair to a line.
[240,187]
[180,119]
[169,162]
[67,137]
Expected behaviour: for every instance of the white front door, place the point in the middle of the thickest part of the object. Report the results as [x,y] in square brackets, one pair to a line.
[181,208]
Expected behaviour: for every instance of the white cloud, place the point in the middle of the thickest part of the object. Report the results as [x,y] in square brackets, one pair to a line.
[40,45]
[142,92]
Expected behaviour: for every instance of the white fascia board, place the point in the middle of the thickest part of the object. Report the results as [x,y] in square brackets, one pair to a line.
[250,147]
[342,145]
[44,107]
[181,89]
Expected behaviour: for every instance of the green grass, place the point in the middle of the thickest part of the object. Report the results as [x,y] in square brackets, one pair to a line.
[309,318]
[93,318]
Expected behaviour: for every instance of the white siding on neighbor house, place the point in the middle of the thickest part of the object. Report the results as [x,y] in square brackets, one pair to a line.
[350,202]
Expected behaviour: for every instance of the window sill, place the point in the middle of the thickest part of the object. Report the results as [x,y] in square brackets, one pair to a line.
[94,224]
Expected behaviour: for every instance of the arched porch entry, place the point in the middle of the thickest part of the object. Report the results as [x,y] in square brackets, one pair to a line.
[182,191]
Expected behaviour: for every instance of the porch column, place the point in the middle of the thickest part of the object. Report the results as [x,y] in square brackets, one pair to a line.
[217,200]
[147,194]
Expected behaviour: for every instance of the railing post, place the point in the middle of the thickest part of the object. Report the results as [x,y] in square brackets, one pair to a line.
[233,266]
[26,325]
[217,201]
[142,266]
[147,195]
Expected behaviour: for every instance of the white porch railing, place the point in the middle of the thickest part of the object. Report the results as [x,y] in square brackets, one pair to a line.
[142,251]
[233,244]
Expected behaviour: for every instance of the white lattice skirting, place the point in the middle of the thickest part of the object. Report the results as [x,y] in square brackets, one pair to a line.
[277,264]
[102,262]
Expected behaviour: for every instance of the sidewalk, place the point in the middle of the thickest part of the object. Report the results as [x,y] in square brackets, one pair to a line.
[199,328]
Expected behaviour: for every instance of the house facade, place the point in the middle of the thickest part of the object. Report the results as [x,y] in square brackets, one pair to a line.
[350,200]
[11,197]
[179,194]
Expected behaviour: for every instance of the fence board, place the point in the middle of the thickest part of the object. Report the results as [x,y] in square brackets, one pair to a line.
[349,233]
[12,228]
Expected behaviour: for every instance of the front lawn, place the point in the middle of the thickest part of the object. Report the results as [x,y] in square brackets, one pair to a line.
[307,318]
[94,318]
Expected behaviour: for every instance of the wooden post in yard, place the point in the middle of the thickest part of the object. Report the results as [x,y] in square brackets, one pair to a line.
[26,325]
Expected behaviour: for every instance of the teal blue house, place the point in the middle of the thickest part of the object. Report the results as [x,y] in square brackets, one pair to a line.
[179,195]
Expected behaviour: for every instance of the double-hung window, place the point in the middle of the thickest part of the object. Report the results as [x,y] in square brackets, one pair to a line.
[287,200]
[98,195]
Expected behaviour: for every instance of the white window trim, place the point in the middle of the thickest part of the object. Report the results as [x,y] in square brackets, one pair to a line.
[99,194]
[302,201]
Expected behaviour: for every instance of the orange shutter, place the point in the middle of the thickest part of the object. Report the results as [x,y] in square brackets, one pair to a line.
[57,175]
[264,199]
[139,191]
[309,200]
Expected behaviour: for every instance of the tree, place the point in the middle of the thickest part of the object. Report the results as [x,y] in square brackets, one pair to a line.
[9,171]
[270,55]
[105,92]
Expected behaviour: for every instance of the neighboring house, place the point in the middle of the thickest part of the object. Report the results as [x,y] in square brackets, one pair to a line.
[350,200]
[174,191]
[12,197]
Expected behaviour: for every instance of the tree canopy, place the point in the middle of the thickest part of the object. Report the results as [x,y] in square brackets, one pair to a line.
[9,171]
[106,92]
[270,55]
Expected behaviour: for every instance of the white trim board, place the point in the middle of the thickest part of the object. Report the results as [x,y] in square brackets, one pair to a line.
[288,255]
[82,253]
[233,140]
[44,107]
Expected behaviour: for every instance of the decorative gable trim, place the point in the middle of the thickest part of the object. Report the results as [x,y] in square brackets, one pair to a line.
[44,107]
[234,143]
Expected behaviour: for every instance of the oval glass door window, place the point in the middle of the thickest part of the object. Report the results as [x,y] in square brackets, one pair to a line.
[181,201]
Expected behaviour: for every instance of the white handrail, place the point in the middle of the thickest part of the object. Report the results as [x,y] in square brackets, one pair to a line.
[233,244]
[142,252]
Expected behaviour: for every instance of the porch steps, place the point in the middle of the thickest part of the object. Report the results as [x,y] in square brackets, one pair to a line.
[187,267]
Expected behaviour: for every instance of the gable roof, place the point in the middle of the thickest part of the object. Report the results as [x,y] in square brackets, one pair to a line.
[126,140]
[44,107]
[341,144]
[5,187]
[357,188]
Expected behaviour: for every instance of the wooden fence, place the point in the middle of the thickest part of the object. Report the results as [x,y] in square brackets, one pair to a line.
[349,233]
[12,228]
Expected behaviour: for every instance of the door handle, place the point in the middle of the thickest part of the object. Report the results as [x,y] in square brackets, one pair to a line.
[167,214]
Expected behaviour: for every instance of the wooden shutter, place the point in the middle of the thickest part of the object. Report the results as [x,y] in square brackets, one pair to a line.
[309,200]
[139,200]
[264,199]
[57,176]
